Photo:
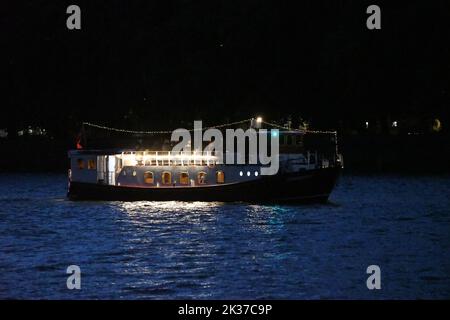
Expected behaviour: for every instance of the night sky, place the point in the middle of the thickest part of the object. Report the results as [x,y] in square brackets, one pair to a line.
[148,64]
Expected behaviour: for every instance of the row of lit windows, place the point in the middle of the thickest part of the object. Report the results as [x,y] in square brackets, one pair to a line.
[91,165]
[166,177]
[175,162]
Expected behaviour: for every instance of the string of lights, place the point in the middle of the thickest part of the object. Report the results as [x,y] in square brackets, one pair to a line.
[317,131]
[280,127]
[225,125]
[160,131]
[93,125]
[297,130]
[202,129]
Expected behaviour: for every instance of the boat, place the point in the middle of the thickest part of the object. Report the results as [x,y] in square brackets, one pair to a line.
[309,168]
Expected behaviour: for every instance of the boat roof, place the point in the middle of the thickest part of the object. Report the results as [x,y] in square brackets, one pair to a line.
[100,151]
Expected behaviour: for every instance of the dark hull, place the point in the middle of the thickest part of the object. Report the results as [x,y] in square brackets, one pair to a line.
[302,187]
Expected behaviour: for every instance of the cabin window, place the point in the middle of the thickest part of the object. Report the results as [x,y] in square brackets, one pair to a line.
[80,163]
[91,164]
[201,177]
[220,177]
[153,162]
[166,178]
[165,162]
[148,177]
[184,178]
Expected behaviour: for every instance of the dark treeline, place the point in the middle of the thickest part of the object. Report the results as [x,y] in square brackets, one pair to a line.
[163,64]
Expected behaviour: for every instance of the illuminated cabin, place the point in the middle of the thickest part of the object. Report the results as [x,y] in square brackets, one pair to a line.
[305,174]
[162,169]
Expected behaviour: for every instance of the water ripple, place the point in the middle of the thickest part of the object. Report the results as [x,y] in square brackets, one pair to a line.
[175,250]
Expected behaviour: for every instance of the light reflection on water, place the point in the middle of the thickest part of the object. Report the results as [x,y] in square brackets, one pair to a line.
[260,217]
[227,250]
[149,211]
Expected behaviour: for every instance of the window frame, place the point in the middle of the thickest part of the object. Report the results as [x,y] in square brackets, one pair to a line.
[91,164]
[80,164]
[162,178]
[220,172]
[187,177]
[145,177]
[198,177]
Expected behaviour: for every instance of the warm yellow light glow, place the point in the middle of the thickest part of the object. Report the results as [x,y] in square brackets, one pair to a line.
[437,125]
[259,120]
[131,159]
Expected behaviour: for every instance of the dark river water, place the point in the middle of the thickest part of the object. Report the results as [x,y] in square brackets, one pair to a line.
[175,250]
